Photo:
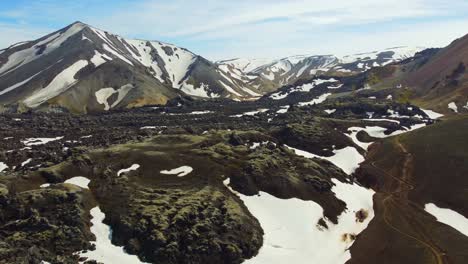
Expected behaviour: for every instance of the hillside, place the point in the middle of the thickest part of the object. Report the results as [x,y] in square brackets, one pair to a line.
[443,80]
[83,69]
[410,173]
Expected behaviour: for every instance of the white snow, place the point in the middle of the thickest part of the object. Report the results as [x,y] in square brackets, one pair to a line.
[145,57]
[252,113]
[330,111]
[59,84]
[347,159]
[201,91]
[270,76]
[453,107]
[449,217]
[134,167]
[26,162]
[51,43]
[431,114]
[177,64]
[292,233]
[284,109]
[317,100]
[180,172]
[115,53]
[381,119]
[103,95]
[105,251]
[99,58]
[45,185]
[3,166]
[148,127]
[303,88]
[229,89]
[354,131]
[200,112]
[39,141]
[79,181]
[13,87]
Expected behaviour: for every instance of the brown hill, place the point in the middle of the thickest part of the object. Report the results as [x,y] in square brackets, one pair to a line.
[444,78]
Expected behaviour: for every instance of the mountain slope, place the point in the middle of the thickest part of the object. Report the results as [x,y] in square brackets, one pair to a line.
[443,80]
[272,74]
[72,66]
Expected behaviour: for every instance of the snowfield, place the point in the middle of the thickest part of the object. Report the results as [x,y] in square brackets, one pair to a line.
[180,172]
[449,217]
[292,233]
[347,159]
[105,251]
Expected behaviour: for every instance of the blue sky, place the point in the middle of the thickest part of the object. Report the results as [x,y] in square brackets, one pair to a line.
[221,29]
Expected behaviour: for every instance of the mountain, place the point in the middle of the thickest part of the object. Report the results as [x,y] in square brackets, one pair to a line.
[442,81]
[84,69]
[268,75]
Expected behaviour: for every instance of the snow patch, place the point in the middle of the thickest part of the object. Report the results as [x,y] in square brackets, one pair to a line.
[292,233]
[79,181]
[39,141]
[105,251]
[347,159]
[59,84]
[99,58]
[3,166]
[449,217]
[180,172]
[134,167]
[453,107]
[252,113]
[317,100]
[103,95]
[431,114]
[24,163]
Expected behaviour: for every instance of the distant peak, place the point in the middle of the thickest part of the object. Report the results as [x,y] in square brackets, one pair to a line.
[78,23]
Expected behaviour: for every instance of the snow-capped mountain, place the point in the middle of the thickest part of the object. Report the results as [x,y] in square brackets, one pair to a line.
[83,68]
[268,74]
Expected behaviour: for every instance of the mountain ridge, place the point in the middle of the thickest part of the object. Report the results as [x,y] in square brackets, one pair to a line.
[42,71]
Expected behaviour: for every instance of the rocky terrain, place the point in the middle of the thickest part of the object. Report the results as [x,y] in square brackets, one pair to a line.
[343,163]
[165,218]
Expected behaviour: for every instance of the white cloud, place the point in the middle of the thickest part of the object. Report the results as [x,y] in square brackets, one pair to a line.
[267,28]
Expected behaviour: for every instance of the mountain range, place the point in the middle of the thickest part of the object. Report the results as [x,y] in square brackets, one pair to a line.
[84,69]
[114,150]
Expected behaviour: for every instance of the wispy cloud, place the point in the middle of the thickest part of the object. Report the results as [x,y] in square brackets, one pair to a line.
[226,28]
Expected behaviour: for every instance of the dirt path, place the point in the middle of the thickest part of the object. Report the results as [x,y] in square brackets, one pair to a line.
[400,196]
